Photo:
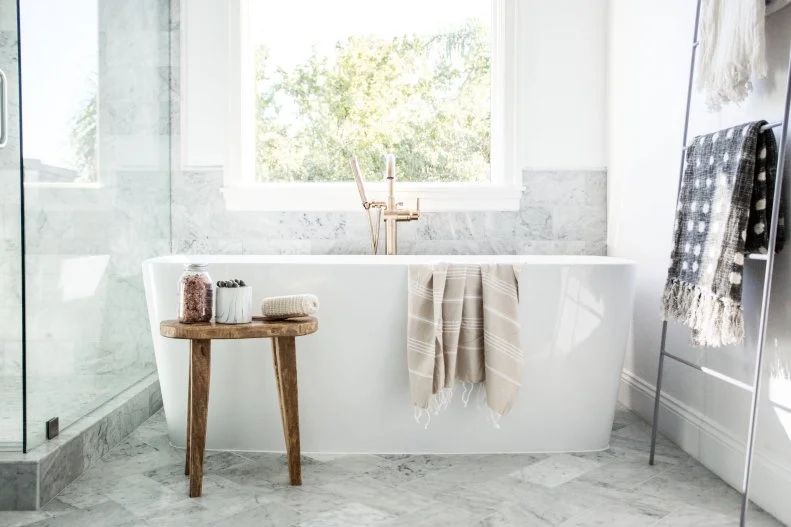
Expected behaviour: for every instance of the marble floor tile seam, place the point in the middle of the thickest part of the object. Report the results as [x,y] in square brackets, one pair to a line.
[594,505]
[630,500]
[634,492]
[639,491]
[574,520]
[219,517]
[628,456]
[434,473]
[176,499]
[649,478]
[587,511]
[310,518]
[403,492]
[392,490]
[268,458]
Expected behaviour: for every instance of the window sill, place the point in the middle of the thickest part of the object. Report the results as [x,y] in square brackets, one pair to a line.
[434,197]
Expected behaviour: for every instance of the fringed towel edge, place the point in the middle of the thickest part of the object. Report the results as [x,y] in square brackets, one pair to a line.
[715,321]
[440,401]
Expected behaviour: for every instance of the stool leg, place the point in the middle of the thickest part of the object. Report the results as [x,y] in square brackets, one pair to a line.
[189,414]
[285,359]
[199,409]
[277,384]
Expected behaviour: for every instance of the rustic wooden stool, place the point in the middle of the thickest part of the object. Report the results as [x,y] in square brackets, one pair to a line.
[282,334]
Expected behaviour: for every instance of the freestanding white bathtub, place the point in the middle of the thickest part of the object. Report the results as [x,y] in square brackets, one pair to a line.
[353,383]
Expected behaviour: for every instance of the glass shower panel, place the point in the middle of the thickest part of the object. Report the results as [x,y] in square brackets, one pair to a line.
[96,135]
[11,394]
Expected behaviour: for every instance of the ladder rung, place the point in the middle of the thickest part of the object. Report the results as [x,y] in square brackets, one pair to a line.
[763,128]
[713,373]
[771,125]
[754,256]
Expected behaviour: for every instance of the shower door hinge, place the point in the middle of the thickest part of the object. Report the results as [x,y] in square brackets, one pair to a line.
[53,428]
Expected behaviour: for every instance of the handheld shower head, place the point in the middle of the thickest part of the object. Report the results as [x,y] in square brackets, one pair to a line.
[358,177]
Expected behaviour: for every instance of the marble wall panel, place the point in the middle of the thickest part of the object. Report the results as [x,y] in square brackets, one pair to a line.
[561,212]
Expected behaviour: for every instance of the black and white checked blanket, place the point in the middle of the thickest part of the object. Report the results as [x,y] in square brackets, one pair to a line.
[723,213]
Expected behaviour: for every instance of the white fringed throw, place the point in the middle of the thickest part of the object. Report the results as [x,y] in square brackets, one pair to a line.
[731,49]
[290,306]
[723,212]
[463,324]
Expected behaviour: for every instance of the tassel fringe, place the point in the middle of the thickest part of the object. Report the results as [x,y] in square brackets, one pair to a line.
[442,399]
[732,50]
[714,321]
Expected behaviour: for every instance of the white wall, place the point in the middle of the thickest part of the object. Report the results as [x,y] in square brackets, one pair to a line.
[563,104]
[648,61]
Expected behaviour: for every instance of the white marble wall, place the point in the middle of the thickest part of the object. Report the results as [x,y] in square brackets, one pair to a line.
[562,212]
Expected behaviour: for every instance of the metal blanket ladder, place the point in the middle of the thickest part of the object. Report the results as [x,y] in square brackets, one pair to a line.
[754,388]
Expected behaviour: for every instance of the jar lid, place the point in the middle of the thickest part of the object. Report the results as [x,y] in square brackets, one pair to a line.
[196,267]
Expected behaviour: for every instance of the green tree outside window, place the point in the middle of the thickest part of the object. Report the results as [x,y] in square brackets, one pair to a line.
[425,98]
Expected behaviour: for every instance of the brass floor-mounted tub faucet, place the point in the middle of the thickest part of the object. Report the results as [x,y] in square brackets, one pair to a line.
[390,208]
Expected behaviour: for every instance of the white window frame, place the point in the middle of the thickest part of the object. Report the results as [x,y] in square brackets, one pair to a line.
[502,192]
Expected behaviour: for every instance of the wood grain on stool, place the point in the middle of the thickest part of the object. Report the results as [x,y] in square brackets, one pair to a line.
[189,416]
[199,398]
[285,360]
[282,333]
[258,328]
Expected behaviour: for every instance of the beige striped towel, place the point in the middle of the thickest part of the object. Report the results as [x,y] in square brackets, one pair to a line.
[463,323]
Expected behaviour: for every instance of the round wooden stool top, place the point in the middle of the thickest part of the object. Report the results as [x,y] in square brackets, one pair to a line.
[259,328]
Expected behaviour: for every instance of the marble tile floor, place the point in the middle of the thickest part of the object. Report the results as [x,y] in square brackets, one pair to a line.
[141,483]
[68,397]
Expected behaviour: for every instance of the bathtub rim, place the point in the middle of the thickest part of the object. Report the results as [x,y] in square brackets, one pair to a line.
[405,259]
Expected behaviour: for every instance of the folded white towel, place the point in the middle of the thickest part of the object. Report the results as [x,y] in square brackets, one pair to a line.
[291,306]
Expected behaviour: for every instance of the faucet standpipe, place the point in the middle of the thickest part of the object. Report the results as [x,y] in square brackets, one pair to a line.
[393,213]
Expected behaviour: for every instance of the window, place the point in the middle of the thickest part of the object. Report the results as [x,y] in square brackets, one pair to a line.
[60,126]
[427,81]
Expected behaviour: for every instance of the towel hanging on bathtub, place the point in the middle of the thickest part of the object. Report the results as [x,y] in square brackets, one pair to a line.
[723,211]
[731,50]
[463,323]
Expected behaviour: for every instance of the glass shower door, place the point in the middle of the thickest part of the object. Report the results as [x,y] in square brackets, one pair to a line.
[11,390]
[96,155]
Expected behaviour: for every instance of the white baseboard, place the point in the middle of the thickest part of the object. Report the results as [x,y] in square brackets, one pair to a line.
[714,446]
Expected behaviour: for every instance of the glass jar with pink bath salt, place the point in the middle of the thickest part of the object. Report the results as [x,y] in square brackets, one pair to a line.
[196,294]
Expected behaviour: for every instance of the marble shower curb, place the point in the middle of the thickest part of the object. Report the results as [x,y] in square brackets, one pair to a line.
[28,481]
